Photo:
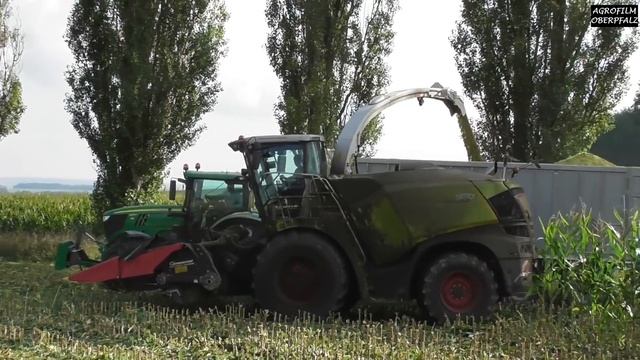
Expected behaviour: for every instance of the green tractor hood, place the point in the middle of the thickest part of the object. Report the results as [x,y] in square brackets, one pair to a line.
[145,209]
[149,219]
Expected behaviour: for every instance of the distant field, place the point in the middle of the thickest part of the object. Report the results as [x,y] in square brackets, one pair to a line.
[52,187]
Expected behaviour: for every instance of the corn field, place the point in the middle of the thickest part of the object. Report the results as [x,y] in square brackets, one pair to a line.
[44,213]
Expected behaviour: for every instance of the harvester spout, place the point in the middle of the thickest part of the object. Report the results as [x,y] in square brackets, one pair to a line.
[349,138]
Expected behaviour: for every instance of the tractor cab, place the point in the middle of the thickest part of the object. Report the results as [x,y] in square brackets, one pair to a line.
[210,197]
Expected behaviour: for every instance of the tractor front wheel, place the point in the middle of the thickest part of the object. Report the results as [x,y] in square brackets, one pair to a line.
[459,284]
[301,272]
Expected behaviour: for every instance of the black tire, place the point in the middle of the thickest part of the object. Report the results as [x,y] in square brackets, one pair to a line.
[459,284]
[301,272]
[237,273]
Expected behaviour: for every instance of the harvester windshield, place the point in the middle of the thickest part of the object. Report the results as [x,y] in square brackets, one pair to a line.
[280,168]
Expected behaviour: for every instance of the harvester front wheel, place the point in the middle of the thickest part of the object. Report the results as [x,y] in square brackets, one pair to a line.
[459,284]
[301,272]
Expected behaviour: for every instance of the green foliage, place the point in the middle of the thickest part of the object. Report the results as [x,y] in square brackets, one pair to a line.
[330,58]
[144,74]
[620,144]
[11,106]
[41,213]
[585,158]
[592,266]
[543,80]
[44,316]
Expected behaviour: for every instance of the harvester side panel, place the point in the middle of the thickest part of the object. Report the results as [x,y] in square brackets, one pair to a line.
[395,211]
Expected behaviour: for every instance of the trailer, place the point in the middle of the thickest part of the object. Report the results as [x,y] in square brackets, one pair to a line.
[551,189]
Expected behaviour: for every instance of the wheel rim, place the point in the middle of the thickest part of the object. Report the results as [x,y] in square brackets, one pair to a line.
[459,292]
[299,280]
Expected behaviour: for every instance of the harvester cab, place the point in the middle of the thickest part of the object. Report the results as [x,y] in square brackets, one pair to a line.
[456,242]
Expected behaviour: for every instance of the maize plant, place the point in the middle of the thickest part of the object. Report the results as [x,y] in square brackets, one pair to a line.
[592,265]
[44,213]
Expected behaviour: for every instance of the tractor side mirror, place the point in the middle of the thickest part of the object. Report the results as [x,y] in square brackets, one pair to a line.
[172,190]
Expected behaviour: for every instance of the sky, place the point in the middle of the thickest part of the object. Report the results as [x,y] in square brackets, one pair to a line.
[48,146]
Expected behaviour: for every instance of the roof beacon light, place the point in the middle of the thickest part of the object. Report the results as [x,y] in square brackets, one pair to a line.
[185,167]
[197,166]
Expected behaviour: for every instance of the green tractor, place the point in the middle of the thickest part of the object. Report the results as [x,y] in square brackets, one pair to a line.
[207,244]
[455,242]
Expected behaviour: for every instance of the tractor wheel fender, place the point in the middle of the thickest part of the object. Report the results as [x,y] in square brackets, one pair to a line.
[237,216]
[257,237]
[136,234]
[458,284]
[226,222]
[301,272]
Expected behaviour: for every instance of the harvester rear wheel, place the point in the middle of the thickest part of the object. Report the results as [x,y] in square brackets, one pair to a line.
[459,284]
[301,272]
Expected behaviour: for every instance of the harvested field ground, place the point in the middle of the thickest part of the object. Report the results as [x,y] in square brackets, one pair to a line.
[44,316]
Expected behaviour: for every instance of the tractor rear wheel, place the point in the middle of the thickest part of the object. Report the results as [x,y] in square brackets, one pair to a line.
[458,284]
[301,272]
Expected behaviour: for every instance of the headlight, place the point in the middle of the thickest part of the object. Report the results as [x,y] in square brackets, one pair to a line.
[510,207]
[506,207]
[105,218]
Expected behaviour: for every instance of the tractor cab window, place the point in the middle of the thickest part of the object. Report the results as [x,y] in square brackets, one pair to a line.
[213,199]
